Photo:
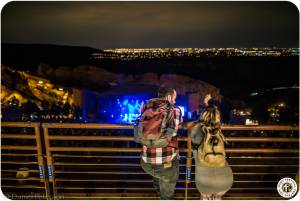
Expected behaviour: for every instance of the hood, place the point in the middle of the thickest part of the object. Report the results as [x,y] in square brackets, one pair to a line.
[159,103]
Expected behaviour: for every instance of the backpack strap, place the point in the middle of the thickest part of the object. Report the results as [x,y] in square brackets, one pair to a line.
[144,108]
[197,134]
[168,117]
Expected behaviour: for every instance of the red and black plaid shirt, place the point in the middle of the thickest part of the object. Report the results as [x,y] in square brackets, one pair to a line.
[158,156]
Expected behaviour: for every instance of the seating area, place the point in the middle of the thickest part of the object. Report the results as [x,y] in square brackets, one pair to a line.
[101,161]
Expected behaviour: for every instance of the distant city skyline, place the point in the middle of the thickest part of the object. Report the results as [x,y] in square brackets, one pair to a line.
[151,53]
[107,25]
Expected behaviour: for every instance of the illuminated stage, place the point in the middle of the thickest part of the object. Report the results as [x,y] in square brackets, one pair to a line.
[122,104]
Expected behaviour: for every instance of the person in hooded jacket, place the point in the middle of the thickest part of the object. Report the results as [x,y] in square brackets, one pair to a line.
[163,163]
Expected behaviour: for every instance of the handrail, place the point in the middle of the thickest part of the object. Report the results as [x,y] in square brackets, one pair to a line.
[124,138]
[147,181]
[262,128]
[127,150]
[17,136]
[144,173]
[87,126]
[137,157]
[10,147]
[137,164]
[128,126]
[20,124]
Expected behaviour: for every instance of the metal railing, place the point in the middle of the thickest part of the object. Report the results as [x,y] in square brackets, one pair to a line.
[101,161]
[22,165]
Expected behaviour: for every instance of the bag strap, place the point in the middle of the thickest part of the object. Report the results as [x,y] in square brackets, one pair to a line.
[167,117]
[137,120]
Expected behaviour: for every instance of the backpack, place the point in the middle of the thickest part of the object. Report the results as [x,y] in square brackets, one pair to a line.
[151,128]
[211,152]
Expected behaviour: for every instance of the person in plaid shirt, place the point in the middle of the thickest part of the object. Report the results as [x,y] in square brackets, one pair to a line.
[162,163]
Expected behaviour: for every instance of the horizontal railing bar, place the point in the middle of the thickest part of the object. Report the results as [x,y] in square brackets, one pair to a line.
[263,165]
[145,188]
[124,138]
[263,173]
[150,181]
[17,154]
[18,162]
[10,170]
[18,136]
[8,147]
[105,198]
[263,150]
[23,179]
[261,139]
[100,138]
[107,180]
[155,198]
[96,164]
[107,188]
[20,124]
[24,186]
[88,138]
[138,157]
[154,194]
[86,126]
[265,127]
[253,194]
[119,126]
[181,165]
[262,157]
[107,173]
[88,156]
[237,150]
[256,181]
[177,194]
[182,173]
[120,173]
[96,149]
[252,198]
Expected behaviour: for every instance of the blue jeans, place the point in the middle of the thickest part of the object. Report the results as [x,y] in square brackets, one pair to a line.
[164,179]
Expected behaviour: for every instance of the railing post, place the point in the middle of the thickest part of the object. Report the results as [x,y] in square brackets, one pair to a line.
[189,158]
[17,151]
[42,171]
[50,170]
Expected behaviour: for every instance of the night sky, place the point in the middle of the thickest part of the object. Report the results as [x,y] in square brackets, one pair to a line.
[152,24]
